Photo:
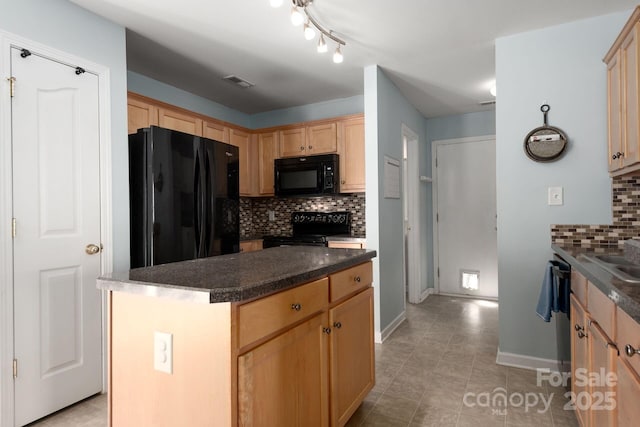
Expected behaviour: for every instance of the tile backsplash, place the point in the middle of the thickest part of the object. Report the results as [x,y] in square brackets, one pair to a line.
[254,212]
[626,220]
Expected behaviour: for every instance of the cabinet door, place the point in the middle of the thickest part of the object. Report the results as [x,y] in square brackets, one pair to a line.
[603,354]
[140,114]
[216,131]
[283,382]
[352,355]
[242,140]
[322,139]
[351,151]
[614,107]
[579,358]
[176,120]
[292,142]
[629,57]
[627,395]
[267,153]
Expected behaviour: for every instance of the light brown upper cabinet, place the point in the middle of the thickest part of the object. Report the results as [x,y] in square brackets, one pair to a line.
[140,114]
[308,140]
[293,142]
[322,139]
[180,121]
[351,152]
[216,131]
[242,140]
[267,153]
[623,102]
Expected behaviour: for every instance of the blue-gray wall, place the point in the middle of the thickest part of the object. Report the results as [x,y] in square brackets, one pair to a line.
[449,127]
[69,28]
[561,66]
[386,110]
[155,89]
[304,113]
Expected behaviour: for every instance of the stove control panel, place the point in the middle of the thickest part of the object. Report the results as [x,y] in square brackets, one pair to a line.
[320,217]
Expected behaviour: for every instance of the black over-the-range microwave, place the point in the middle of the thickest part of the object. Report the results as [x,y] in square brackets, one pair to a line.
[309,175]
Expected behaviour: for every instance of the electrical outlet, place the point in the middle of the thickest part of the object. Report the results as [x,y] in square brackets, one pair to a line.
[272,215]
[163,352]
[555,197]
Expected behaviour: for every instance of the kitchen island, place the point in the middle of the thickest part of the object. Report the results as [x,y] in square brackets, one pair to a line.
[282,336]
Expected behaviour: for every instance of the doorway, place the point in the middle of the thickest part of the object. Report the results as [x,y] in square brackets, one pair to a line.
[57,189]
[411,214]
[465,213]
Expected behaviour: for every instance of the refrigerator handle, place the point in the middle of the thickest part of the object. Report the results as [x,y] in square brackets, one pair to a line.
[196,203]
[208,210]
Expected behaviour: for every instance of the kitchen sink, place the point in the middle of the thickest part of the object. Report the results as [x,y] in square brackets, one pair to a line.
[617,265]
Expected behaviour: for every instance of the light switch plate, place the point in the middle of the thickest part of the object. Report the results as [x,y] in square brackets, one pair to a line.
[556,198]
[163,352]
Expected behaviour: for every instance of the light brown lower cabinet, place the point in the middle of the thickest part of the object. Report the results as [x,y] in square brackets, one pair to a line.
[300,357]
[603,355]
[283,382]
[579,357]
[345,245]
[250,245]
[627,394]
[351,377]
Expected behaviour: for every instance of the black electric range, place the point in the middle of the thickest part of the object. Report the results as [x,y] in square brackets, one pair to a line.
[312,229]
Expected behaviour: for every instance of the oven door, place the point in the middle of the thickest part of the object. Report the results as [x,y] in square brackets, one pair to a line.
[298,176]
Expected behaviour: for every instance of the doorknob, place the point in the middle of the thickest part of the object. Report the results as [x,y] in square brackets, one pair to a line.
[92,249]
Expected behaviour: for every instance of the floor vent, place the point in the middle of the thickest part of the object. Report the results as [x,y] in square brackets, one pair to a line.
[238,81]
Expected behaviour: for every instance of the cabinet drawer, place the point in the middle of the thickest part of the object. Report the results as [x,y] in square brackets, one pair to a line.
[628,333]
[349,281]
[602,310]
[265,316]
[579,287]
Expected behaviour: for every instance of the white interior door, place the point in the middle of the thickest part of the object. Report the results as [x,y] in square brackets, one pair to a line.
[466,218]
[56,188]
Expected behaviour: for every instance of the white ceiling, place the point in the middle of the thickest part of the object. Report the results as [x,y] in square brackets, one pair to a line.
[440,53]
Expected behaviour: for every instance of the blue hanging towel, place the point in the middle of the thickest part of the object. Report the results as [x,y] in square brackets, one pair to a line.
[554,294]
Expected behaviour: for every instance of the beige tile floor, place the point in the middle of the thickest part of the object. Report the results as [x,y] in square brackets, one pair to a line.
[446,350]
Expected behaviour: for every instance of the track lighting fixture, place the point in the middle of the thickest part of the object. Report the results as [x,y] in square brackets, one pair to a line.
[337,56]
[322,45]
[300,9]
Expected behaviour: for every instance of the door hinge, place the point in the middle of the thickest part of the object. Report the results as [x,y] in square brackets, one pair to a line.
[15,368]
[437,217]
[12,86]
[438,271]
[436,162]
[13,228]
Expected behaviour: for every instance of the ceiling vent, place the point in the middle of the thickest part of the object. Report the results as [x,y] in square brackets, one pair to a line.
[492,102]
[238,81]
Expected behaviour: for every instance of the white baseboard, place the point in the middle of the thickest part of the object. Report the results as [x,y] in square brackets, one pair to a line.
[495,299]
[532,363]
[381,336]
[426,293]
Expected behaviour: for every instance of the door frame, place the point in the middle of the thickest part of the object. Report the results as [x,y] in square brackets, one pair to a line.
[434,197]
[7,41]
[411,253]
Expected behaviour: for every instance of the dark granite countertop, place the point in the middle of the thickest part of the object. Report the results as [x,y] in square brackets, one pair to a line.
[235,277]
[253,237]
[625,295]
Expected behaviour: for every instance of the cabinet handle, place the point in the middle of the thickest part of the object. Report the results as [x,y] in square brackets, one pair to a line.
[311,147]
[302,148]
[343,182]
[581,334]
[578,328]
[630,350]
[357,279]
[337,325]
[296,307]
[617,155]
[326,330]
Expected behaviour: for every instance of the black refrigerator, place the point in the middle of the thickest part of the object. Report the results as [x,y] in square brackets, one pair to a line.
[184,197]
